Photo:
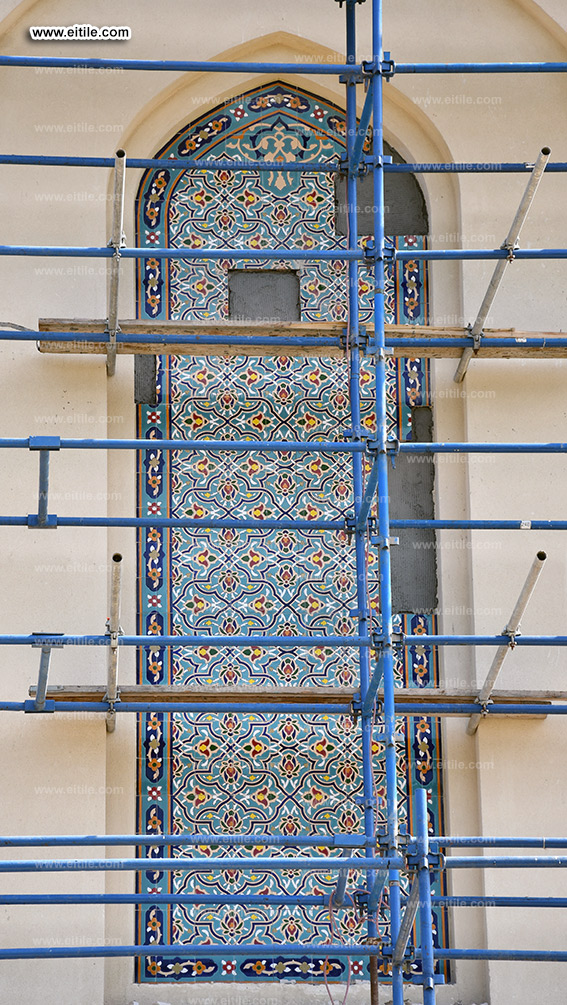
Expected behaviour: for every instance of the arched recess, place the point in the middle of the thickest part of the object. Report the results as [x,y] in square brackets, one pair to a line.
[234,773]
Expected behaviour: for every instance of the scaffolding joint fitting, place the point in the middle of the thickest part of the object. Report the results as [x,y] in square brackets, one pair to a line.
[511,248]
[50,522]
[44,443]
[378,446]
[357,341]
[513,634]
[41,642]
[373,349]
[414,860]
[476,337]
[31,708]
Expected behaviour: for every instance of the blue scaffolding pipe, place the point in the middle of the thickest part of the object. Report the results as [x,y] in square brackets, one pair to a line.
[494,842]
[206,164]
[159,341]
[376,890]
[296,446]
[527,955]
[362,131]
[479,448]
[480,67]
[196,641]
[182,840]
[464,167]
[424,881]
[188,864]
[272,950]
[385,664]
[174,163]
[484,524]
[165,898]
[414,708]
[212,523]
[284,254]
[204,523]
[363,612]
[266,708]
[488,901]
[474,254]
[487,343]
[102,338]
[505,862]
[263,708]
[189,254]
[187,66]
[483,640]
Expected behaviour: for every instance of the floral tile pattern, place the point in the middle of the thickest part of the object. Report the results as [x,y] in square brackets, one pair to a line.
[233,773]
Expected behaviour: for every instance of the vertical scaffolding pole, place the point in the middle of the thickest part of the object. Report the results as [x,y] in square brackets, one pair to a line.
[116,242]
[425,917]
[386,655]
[114,630]
[363,612]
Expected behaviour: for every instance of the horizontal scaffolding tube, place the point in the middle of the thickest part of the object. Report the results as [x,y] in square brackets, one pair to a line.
[166,898]
[212,523]
[191,254]
[284,254]
[185,66]
[475,448]
[478,640]
[483,524]
[274,341]
[505,862]
[470,709]
[321,950]
[174,163]
[494,842]
[487,901]
[193,952]
[527,955]
[181,840]
[296,446]
[6,335]
[196,641]
[204,523]
[205,164]
[264,708]
[471,254]
[187,864]
[463,167]
[481,67]
[407,708]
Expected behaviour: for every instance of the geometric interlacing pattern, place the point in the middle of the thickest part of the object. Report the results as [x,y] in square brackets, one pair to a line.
[234,773]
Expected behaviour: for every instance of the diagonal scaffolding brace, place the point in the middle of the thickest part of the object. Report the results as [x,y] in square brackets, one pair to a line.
[510,246]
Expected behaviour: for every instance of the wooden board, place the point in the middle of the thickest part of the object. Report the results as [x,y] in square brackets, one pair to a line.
[242,694]
[159,330]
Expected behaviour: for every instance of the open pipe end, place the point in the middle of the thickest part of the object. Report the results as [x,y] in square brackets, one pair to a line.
[117,557]
[546,151]
[542,556]
[120,153]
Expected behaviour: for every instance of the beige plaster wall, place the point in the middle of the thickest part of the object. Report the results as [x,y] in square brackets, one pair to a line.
[64,774]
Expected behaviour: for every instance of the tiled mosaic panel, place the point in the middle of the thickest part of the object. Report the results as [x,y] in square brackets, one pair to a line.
[236,773]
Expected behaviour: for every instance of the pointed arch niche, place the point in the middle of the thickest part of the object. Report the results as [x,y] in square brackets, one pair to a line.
[234,773]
